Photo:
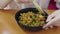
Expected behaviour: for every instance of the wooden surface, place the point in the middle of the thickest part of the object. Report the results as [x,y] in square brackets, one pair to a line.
[8,24]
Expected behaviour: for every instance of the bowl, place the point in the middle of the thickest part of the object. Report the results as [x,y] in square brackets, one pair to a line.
[34,10]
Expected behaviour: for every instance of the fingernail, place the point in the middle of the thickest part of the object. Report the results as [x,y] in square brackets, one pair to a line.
[51,26]
[46,28]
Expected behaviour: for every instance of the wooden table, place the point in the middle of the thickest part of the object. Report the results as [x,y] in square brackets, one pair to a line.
[8,24]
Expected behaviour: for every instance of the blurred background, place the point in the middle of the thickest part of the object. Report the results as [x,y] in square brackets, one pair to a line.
[44,4]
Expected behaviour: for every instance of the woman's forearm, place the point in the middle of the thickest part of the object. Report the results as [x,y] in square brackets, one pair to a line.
[4,3]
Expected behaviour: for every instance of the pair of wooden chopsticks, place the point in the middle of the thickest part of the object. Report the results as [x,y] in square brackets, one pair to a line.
[38,7]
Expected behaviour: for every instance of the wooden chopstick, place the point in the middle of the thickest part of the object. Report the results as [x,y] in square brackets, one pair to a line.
[38,7]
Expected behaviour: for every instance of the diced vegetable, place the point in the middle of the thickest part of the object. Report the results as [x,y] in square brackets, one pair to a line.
[31,19]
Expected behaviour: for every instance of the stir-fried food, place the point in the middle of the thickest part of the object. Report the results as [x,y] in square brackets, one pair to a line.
[31,19]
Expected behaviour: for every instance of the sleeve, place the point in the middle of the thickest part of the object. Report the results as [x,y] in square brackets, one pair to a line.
[44,3]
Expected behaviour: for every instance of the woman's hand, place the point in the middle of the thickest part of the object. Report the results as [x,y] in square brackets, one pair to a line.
[23,1]
[53,20]
[4,3]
